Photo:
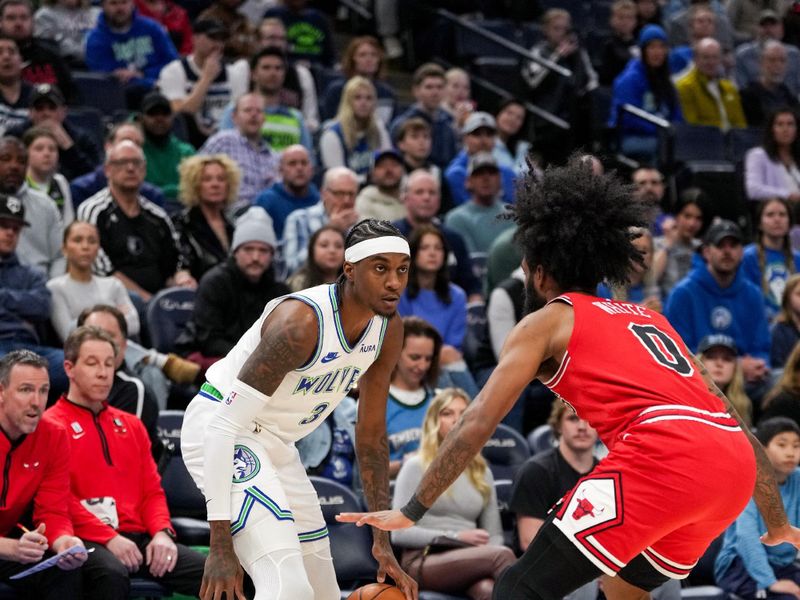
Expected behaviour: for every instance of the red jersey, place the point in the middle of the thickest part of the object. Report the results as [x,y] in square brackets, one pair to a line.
[625,364]
[110,457]
[36,471]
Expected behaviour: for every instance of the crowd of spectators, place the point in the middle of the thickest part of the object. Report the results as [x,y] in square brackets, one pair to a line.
[247,145]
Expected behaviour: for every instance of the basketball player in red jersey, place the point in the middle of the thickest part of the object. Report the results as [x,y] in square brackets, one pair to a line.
[681,466]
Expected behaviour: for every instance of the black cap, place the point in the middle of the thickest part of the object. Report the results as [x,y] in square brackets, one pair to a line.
[379,155]
[12,209]
[768,16]
[720,230]
[213,28]
[155,100]
[47,91]
[717,340]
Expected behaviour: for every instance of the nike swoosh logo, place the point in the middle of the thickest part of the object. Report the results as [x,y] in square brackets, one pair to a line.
[78,436]
[329,357]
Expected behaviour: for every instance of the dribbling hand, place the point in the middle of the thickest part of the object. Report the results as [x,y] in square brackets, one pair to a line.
[387,520]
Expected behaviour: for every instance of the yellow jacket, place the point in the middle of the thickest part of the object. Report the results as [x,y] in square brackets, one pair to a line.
[699,106]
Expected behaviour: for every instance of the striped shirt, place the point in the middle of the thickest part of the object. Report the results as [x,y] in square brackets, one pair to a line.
[300,226]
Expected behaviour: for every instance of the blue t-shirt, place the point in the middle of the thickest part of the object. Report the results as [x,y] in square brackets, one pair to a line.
[450,320]
[404,424]
[775,272]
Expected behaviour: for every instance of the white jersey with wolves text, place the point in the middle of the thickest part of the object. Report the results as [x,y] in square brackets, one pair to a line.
[307,395]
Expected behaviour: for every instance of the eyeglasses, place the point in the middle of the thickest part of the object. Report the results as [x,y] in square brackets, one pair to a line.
[136,163]
[341,193]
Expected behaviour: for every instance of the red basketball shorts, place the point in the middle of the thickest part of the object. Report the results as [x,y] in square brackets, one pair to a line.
[672,482]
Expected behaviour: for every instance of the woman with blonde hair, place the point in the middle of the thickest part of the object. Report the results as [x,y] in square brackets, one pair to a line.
[356,133]
[209,184]
[718,353]
[363,56]
[457,547]
[784,399]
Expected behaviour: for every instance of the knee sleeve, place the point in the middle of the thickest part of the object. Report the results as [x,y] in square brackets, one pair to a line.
[319,568]
[280,575]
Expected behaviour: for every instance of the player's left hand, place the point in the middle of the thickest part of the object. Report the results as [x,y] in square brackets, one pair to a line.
[161,554]
[388,520]
[786,534]
[387,565]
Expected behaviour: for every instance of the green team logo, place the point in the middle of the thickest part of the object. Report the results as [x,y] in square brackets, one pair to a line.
[245,464]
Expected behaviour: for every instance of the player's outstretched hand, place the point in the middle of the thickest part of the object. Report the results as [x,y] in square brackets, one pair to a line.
[786,534]
[388,520]
[387,565]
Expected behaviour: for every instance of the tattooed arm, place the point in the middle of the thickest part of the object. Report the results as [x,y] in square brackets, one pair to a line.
[538,337]
[372,447]
[288,339]
[766,493]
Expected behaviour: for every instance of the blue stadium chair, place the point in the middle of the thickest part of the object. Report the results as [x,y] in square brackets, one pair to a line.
[167,314]
[186,504]
[741,140]
[351,546]
[503,488]
[694,143]
[470,45]
[479,262]
[541,439]
[90,120]
[477,332]
[505,452]
[100,91]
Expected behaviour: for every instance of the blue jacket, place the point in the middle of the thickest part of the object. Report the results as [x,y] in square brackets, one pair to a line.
[443,137]
[24,298]
[88,185]
[456,175]
[145,46]
[631,87]
[279,203]
[698,307]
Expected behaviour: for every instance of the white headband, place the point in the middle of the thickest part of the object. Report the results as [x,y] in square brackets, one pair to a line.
[379,245]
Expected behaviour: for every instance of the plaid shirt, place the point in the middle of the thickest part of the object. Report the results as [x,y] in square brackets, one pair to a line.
[259,166]
[300,226]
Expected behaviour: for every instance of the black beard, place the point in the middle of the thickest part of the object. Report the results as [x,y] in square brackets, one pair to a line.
[533,300]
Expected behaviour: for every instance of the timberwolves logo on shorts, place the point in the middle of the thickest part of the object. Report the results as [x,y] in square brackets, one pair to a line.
[245,464]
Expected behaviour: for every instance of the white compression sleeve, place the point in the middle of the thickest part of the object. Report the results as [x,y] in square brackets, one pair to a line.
[233,414]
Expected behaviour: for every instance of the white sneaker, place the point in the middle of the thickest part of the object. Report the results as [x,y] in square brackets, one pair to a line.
[392,47]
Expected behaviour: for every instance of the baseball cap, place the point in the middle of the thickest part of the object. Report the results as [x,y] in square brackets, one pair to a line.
[12,209]
[47,91]
[720,230]
[768,16]
[390,152]
[254,225]
[213,28]
[477,120]
[481,160]
[717,340]
[155,100]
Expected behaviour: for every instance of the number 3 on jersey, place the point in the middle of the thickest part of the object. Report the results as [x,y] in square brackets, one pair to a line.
[664,350]
[315,413]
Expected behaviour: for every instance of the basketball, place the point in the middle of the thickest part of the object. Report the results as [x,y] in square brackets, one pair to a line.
[381,591]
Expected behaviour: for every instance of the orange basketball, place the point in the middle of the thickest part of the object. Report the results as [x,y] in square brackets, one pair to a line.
[381,591]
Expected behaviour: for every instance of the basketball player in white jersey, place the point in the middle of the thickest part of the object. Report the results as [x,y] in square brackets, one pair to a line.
[287,374]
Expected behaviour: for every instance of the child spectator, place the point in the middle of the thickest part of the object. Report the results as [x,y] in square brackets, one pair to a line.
[718,353]
[745,566]
[414,141]
[43,174]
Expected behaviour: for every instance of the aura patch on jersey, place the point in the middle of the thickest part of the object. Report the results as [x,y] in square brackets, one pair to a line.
[340,380]
[245,464]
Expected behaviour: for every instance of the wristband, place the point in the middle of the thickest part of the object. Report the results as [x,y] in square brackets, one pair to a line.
[414,509]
